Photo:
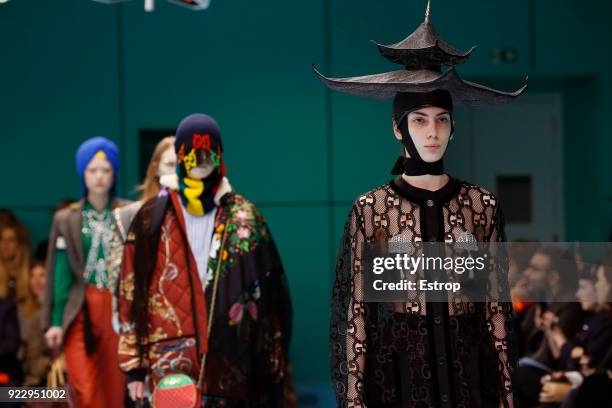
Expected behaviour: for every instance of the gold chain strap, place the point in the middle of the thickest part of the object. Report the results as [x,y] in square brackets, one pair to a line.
[211,315]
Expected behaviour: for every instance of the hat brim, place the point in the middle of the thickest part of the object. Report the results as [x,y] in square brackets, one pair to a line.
[387,84]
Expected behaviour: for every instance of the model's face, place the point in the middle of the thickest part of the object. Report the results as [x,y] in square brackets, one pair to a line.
[602,286]
[167,162]
[8,244]
[586,294]
[99,175]
[430,128]
[37,281]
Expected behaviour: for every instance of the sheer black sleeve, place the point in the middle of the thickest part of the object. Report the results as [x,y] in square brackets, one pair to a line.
[347,325]
[499,312]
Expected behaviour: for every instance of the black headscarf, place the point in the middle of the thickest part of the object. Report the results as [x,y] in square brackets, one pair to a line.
[403,104]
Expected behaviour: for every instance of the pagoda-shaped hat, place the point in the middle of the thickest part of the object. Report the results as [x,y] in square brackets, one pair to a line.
[423,53]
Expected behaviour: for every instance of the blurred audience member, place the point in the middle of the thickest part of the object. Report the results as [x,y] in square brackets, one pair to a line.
[520,252]
[7,217]
[14,262]
[551,281]
[551,275]
[10,369]
[587,379]
[36,354]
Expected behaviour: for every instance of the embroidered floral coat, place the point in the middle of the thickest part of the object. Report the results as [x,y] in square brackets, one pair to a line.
[248,344]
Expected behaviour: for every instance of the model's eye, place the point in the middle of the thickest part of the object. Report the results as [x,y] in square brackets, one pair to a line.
[418,121]
[444,119]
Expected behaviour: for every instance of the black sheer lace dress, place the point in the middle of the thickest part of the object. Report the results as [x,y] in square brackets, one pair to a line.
[420,354]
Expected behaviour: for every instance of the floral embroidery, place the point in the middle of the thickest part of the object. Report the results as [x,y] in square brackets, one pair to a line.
[181,154]
[245,229]
[215,158]
[127,287]
[235,313]
[190,160]
[201,141]
[245,301]
[243,233]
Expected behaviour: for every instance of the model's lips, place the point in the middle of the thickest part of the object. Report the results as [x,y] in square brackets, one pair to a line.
[432,147]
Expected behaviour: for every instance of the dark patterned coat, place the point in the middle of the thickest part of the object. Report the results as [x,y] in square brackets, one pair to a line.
[418,354]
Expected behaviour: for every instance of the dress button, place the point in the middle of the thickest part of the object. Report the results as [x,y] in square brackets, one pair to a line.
[444,398]
[437,319]
[442,361]
[430,203]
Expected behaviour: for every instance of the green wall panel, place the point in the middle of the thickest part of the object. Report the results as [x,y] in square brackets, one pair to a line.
[301,234]
[364,147]
[58,82]
[571,36]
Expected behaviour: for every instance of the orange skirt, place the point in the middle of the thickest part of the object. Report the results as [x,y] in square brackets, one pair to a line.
[96,378]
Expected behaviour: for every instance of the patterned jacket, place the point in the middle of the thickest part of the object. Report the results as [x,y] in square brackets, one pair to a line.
[247,347]
[66,235]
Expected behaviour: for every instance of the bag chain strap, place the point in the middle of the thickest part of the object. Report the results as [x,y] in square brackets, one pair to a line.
[212,304]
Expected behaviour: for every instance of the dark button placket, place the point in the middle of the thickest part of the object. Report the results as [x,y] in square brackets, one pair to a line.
[432,230]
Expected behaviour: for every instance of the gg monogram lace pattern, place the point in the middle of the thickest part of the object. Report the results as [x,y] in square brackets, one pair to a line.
[382,352]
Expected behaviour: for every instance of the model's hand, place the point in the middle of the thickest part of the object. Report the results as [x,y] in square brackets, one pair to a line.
[577,352]
[558,337]
[554,392]
[554,376]
[54,336]
[548,320]
[136,389]
[537,317]
[520,291]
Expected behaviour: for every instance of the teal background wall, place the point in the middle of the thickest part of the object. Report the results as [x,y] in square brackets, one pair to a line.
[71,69]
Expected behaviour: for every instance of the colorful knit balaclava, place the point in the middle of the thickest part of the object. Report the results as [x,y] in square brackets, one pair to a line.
[198,142]
[97,146]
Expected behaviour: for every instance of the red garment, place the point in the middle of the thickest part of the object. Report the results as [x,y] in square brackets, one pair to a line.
[96,378]
[171,344]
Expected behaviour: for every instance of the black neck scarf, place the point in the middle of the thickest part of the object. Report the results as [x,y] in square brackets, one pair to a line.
[403,104]
[198,140]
